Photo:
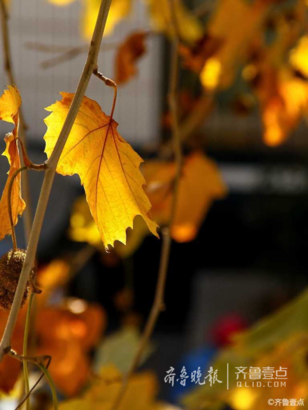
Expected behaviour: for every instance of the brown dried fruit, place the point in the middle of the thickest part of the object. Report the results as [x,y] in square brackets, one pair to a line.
[10,268]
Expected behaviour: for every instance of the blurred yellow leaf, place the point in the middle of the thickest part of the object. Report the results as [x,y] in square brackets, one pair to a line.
[190,29]
[119,9]
[10,102]
[283,107]
[101,395]
[119,349]
[82,226]
[199,186]
[291,319]
[83,229]
[282,93]
[210,74]
[106,164]
[235,34]
[53,275]
[298,56]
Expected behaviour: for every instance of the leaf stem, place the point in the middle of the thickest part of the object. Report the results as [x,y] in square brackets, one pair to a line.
[9,199]
[51,385]
[109,83]
[38,361]
[37,167]
[158,303]
[51,165]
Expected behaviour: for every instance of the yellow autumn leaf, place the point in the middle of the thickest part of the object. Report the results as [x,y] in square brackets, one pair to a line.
[82,226]
[282,110]
[200,184]
[190,28]
[106,164]
[103,391]
[298,56]
[119,9]
[120,349]
[236,35]
[83,229]
[10,102]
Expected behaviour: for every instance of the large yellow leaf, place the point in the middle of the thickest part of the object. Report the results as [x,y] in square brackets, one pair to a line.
[106,164]
[9,107]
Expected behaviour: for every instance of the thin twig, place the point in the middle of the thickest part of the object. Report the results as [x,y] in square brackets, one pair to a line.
[67,53]
[22,124]
[158,304]
[51,165]
[197,117]
[25,351]
[38,361]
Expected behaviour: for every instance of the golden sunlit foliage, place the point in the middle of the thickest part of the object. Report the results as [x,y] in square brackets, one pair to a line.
[188,26]
[159,12]
[282,109]
[200,185]
[195,199]
[235,34]
[107,165]
[10,102]
[298,56]
[140,395]
[119,9]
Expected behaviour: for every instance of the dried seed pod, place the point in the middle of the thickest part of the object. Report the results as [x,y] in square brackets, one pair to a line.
[10,268]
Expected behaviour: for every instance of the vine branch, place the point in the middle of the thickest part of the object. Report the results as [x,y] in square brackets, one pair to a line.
[158,304]
[50,170]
